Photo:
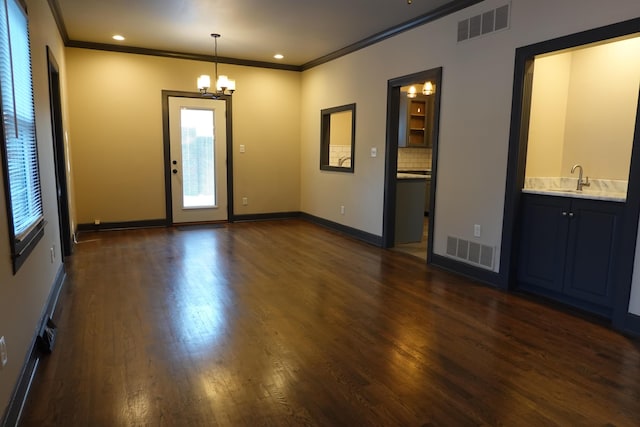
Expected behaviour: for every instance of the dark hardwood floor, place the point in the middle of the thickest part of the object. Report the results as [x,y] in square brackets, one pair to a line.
[286,323]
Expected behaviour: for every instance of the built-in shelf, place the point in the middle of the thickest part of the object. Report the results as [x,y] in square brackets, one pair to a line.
[417,129]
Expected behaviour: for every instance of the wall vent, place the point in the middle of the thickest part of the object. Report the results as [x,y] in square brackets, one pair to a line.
[475,253]
[485,23]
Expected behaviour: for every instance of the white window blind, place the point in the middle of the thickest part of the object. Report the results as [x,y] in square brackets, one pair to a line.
[18,121]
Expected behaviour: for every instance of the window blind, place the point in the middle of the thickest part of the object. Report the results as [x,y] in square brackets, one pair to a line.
[18,121]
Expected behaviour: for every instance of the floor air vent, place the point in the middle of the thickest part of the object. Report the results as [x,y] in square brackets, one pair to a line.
[473,252]
[485,23]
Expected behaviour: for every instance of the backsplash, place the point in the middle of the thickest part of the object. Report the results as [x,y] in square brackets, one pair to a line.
[414,159]
[338,154]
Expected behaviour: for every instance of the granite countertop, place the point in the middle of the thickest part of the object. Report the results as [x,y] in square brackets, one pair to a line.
[405,175]
[600,189]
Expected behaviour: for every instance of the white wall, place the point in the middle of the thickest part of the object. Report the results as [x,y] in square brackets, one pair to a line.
[475,114]
[23,296]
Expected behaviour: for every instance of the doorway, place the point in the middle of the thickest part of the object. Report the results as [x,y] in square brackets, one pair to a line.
[198,159]
[197,148]
[60,159]
[413,111]
[517,162]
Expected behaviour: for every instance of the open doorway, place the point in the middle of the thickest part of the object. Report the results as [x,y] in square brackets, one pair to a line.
[413,110]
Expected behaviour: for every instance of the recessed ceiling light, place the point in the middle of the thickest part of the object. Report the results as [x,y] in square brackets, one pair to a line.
[278,56]
[118,37]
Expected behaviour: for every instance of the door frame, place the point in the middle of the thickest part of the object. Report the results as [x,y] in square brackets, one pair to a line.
[60,159]
[520,111]
[167,150]
[391,154]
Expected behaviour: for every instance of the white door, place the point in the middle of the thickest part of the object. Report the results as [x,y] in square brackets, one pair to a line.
[198,140]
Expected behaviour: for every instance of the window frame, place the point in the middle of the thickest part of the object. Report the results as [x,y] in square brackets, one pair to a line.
[21,100]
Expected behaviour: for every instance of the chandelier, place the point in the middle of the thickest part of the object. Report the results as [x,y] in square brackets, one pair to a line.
[224,86]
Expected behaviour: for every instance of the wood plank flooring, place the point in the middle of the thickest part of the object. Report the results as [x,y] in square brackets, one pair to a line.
[285,323]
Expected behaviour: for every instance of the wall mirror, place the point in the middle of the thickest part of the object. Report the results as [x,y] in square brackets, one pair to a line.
[337,138]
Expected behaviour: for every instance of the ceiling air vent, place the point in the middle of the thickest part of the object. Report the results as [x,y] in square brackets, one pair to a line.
[485,23]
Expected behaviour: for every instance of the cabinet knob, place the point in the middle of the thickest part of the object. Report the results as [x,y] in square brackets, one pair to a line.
[564,214]
[570,214]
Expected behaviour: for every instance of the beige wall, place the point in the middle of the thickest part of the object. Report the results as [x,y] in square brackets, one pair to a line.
[115,132]
[23,296]
[601,112]
[548,115]
[117,141]
[477,86]
[583,111]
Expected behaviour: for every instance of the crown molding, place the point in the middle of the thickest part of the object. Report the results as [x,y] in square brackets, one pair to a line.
[451,7]
[435,14]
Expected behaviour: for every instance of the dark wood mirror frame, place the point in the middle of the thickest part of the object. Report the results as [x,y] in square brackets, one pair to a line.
[342,118]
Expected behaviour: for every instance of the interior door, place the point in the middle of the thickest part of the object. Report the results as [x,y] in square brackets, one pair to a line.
[197,132]
[60,158]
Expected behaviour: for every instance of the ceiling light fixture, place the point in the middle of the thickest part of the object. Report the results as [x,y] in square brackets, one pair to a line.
[427,89]
[278,56]
[224,86]
[118,37]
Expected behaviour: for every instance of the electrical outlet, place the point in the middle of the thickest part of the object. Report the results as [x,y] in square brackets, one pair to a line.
[245,201]
[96,221]
[374,151]
[242,149]
[342,210]
[476,230]
[4,358]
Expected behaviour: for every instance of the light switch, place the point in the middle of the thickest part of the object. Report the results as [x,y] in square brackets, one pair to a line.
[242,148]
[374,151]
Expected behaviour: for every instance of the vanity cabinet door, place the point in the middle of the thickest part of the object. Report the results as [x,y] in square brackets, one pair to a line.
[568,250]
[593,237]
[543,243]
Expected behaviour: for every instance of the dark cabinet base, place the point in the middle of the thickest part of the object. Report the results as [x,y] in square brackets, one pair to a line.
[567,250]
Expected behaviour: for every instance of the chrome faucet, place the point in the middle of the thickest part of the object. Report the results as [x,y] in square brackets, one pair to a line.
[580,182]
[342,160]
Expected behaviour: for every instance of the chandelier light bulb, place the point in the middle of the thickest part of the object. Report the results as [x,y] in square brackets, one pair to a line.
[204,82]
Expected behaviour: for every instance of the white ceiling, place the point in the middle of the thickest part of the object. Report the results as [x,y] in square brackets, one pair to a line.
[255,30]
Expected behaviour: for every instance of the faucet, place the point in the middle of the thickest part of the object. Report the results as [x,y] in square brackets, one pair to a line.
[342,160]
[580,182]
